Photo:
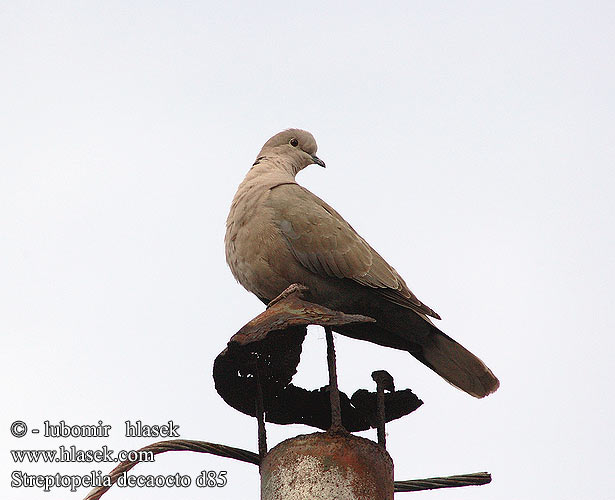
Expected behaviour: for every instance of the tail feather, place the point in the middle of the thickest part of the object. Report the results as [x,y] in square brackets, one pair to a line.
[458,366]
[416,334]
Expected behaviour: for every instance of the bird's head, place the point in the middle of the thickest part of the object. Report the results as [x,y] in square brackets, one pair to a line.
[299,146]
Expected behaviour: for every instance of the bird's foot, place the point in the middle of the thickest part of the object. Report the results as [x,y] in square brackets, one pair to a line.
[294,288]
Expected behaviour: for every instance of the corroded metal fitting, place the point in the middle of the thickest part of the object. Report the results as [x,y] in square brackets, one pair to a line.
[323,466]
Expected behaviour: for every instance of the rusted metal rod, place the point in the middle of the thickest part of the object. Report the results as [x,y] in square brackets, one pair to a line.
[334,393]
[383,380]
[260,414]
[382,438]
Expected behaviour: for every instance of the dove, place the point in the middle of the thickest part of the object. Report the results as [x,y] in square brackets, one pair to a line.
[278,234]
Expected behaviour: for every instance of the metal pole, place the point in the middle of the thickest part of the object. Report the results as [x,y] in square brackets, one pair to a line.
[326,466]
[332,465]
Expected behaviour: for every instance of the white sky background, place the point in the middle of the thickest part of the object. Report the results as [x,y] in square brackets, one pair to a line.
[471,143]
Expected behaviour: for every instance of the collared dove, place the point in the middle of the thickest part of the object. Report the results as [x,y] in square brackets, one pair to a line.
[279,233]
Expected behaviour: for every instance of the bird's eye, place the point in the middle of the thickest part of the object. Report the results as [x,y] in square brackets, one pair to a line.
[293,142]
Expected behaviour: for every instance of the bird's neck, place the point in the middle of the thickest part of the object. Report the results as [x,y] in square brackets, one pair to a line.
[258,181]
[273,168]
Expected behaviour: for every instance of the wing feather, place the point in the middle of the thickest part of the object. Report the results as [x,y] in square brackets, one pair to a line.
[323,242]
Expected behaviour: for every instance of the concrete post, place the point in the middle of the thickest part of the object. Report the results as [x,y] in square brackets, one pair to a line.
[323,466]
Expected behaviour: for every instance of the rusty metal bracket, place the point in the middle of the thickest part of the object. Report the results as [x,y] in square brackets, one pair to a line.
[276,337]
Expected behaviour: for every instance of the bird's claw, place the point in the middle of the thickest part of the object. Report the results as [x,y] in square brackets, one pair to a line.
[294,288]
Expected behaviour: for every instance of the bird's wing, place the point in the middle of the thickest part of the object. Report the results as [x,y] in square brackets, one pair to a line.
[327,245]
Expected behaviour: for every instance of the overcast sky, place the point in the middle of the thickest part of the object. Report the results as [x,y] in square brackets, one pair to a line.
[471,143]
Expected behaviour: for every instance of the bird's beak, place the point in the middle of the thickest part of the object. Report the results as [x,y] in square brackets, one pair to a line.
[318,161]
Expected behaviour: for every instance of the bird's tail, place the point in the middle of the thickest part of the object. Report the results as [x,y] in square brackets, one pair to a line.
[430,346]
[457,365]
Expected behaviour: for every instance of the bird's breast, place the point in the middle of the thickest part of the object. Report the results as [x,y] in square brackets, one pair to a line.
[256,252]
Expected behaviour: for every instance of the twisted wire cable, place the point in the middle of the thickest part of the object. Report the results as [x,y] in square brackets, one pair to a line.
[434,483]
[177,445]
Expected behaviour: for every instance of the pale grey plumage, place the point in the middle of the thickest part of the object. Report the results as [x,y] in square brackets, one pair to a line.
[279,233]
